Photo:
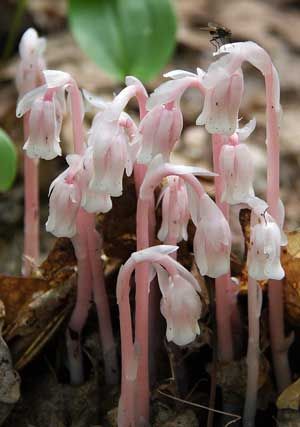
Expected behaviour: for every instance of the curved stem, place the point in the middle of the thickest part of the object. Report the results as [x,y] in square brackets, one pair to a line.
[276,309]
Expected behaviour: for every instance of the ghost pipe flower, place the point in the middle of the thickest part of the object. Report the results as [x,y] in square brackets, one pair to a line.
[182,314]
[70,193]
[45,119]
[236,168]
[113,152]
[159,130]
[175,212]
[29,73]
[222,93]
[263,263]
[237,53]
[112,129]
[65,198]
[29,76]
[157,170]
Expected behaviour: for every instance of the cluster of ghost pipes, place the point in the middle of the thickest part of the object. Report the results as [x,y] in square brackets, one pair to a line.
[94,175]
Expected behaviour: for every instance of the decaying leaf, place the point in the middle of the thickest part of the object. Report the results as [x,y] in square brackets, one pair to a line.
[291,264]
[9,378]
[290,397]
[36,306]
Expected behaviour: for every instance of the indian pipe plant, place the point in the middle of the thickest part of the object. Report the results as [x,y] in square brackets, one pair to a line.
[116,144]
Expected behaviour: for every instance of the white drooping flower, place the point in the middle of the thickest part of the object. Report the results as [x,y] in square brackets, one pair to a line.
[181,307]
[263,259]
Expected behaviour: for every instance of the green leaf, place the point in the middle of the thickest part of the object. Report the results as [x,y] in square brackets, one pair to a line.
[8,161]
[125,37]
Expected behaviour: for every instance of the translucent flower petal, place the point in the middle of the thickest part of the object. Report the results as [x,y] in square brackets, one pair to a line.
[55,78]
[27,100]
[154,253]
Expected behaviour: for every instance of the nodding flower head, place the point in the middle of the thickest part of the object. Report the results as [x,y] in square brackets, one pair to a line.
[159,131]
[212,241]
[181,307]
[175,212]
[46,106]
[264,250]
[45,122]
[29,74]
[237,172]
[237,53]
[65,198]
[114,151]
[92,201]
[222,99]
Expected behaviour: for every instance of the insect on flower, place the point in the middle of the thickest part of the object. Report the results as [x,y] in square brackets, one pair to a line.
[221,35]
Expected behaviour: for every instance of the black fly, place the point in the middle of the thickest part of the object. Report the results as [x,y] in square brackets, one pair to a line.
[220,35]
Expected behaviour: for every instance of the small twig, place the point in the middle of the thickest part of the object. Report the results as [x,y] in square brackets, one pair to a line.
[197,405]
[190,393]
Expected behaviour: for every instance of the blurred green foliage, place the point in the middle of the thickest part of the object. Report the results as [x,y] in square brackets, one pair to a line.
[125,37]
[8,161]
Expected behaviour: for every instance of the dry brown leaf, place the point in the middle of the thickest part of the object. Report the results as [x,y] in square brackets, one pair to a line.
[36,306]
[290,397]
[291,264]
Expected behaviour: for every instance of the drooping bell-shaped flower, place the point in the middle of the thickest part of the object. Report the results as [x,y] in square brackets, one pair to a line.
[222,99]
[212,241]
[237,172]
[175,212]
[65,199]
[181,307]
[92,201]
[112,139]
[113,153]
[45,122]
[29,73]
[264,250]
[159,131]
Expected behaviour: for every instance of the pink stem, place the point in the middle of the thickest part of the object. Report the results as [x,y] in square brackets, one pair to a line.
[130,414]
[276,310]
[101,301]
[83,300]
[31,209]
[223,283]
[90,269]
[77,119]
[145,234]
[142,298]
[142,315]
[252,353]
[171,238]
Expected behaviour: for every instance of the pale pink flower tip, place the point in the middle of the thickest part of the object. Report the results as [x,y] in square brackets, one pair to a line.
[29,74]
[180,306]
